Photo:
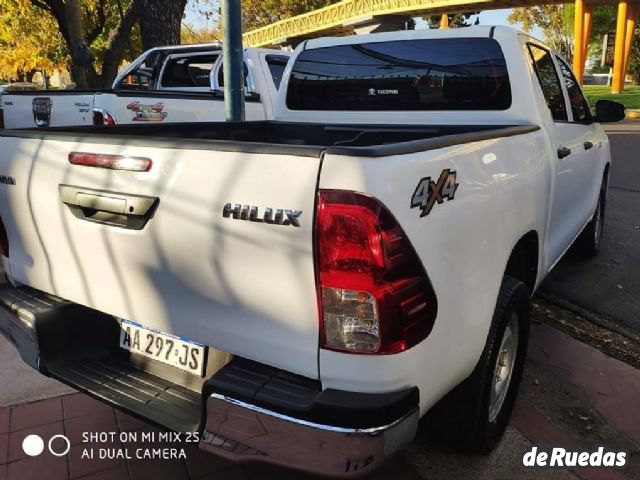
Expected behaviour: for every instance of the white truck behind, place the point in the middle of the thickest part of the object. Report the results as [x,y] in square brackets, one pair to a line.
[303,291]
[164,85]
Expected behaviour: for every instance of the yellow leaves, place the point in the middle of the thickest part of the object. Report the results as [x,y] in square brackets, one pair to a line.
[29,39]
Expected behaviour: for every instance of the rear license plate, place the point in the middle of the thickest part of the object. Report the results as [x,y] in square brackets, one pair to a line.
[168,349]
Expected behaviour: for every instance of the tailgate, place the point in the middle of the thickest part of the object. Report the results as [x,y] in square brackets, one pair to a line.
[245,287]
[47,109]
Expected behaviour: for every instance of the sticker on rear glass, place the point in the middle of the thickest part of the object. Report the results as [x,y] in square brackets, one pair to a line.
[428,192]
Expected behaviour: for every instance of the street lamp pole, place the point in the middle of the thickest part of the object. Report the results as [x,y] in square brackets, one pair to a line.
[232,57]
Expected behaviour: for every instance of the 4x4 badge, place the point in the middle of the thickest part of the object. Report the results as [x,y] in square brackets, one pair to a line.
[428,192]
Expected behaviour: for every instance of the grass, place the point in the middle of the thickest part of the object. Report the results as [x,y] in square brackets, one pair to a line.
[630,96]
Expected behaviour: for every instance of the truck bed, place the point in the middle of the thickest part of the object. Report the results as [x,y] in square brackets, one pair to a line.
[307,139]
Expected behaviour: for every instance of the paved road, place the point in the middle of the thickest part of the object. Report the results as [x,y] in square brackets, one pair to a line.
[610,283]
[572,396]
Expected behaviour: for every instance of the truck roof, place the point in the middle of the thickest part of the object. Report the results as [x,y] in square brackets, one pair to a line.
[472,31]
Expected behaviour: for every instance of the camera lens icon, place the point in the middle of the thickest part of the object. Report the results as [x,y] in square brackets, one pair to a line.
[33,445]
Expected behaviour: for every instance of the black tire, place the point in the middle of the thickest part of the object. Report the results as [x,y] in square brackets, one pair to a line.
[463,418]
[589,241]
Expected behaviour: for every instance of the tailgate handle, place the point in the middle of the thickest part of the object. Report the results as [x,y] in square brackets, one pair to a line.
[110,208]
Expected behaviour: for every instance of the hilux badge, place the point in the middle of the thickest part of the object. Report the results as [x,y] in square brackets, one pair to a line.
[251,213]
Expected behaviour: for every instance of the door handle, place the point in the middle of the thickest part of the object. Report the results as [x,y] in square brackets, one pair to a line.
[111,208]
[564,152]
[588,145]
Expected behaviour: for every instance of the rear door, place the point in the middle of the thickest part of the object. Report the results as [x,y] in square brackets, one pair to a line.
[569,197]
[590,139]
[157,247]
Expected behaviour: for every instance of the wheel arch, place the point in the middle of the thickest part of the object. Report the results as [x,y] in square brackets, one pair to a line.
[524,259]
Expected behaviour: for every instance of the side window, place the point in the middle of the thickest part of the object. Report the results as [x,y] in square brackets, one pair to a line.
[221,76]
[140,78]
[549,81]
[277,64]
[579,105]
[188,72]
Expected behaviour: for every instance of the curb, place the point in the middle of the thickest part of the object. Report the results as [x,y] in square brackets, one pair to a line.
[599,320]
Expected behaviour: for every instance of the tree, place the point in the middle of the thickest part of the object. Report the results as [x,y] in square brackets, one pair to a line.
[455,21]
[28,42]
[80,24]
[90,36]
[160,22]
[555,21]
[259,13]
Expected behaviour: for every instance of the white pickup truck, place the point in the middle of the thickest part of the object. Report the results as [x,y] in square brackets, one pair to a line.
[302,291]
[164,85]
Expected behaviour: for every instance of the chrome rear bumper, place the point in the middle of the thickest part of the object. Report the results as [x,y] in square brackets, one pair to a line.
[243,432]
[283,419]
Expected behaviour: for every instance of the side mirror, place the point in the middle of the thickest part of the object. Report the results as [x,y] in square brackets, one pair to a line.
[608,111]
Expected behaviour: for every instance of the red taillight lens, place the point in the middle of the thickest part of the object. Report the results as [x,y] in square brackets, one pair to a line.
[112,162]
[4,241]
[374,294]
[102,117]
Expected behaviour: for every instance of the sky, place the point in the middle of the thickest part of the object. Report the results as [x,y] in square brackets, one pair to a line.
[489,17]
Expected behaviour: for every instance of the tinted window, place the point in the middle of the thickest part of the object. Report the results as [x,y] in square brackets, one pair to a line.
[188,72]
[579,105]
[221,76]
[277,64]
[140,78]
[549,81]
[428,74]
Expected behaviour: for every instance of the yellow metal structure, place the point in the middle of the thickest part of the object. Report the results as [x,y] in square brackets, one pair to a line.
[632,16]
[340,18]
[617,83]
[587,18]
[578,49]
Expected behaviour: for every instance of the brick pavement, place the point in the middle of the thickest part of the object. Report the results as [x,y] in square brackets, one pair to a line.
[563,376]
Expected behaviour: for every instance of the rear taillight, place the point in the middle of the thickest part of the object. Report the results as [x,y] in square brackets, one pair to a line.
[4,241]
[111,162]
[102,117]
[374,294]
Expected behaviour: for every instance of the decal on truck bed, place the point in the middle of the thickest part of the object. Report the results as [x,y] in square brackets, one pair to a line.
[41,108]
[147,113]
[428,192]
[7,180]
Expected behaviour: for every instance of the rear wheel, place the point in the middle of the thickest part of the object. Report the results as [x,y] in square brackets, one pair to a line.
[475,414]
[588,242]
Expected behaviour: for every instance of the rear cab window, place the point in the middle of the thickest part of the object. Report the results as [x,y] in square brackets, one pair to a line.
[410,75]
